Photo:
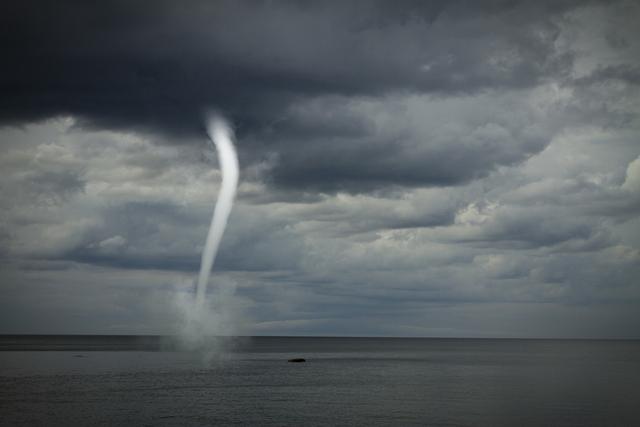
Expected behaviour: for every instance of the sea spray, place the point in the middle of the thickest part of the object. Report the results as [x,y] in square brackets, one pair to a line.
[208,328]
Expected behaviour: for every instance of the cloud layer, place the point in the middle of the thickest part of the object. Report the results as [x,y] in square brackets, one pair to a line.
[437,168]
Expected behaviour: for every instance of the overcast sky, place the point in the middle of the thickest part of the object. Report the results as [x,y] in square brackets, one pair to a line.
[458,168]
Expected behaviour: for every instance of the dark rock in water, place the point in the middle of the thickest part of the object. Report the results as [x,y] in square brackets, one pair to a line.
[297,360]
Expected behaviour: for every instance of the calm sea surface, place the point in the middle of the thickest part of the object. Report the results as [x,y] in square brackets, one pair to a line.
[345,381]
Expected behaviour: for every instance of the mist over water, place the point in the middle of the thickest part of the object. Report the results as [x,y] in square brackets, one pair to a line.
[212,315]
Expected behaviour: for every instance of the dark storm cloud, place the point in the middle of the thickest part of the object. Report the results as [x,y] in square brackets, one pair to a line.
[70,55]
[156,67]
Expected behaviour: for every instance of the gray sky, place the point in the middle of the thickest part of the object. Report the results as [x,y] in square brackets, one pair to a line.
[417,168]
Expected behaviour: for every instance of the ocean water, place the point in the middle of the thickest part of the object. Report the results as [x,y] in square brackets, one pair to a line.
[345,381]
